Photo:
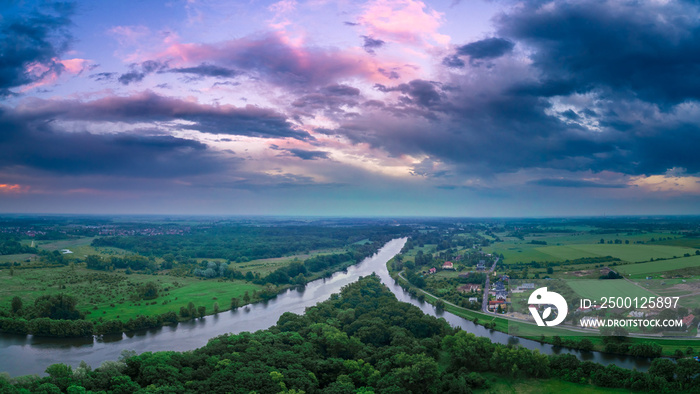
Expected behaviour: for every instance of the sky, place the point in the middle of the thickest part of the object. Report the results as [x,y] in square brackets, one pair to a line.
[350,108]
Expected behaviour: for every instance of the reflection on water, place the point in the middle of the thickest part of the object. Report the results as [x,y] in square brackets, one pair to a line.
[21,355]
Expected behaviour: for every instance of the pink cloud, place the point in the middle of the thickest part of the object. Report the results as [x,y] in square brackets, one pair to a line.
[13,188]
[74,66]
[44,74]
[276,58]
[403,21]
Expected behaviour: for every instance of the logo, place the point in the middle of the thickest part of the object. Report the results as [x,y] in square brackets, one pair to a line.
[547,298]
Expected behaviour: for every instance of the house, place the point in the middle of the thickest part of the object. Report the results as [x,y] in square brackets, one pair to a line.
[501,295]
[493,305]
[481,265]
[432,270]
[500,286]
[688,320]
[527,286]
[448,265]
[649,277]
[636,314]
[469,287]
[473,299]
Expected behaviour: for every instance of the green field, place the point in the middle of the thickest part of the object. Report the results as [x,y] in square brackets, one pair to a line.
[521,252]
[97,291]
[660,266]
[19,258]
[593,289]
[64,244]
[265,266]
[691,242]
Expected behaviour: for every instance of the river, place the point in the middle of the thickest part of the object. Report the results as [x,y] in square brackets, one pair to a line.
[23,355]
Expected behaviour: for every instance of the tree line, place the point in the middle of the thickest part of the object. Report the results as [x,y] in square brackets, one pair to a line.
[360,341]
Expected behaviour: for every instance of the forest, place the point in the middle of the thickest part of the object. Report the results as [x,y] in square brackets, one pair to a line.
[360,341]
[240,243]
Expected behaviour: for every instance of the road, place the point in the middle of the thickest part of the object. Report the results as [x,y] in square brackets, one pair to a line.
[485,298]
[565,326]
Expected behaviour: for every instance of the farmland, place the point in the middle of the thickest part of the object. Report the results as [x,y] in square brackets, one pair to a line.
[594,289]
[661,266]
[514,253]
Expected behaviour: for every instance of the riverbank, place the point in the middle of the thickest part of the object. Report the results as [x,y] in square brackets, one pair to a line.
[491,321]
[21,355]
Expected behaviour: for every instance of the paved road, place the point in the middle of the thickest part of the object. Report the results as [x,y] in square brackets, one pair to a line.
[485,299]
[565,326]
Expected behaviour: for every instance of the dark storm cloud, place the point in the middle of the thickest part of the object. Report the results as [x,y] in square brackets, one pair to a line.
[308,154]
[574,183]
[480,133]
[36,36]
[148,107]
[207,70]
[647,49]
[370,44]
[490,48]
[38,145]
[628,62]
[419,92]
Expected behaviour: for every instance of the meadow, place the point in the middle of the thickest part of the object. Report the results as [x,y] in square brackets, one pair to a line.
[594,289]
[108,295]
[16,258]
[514,253]
[662,266]
[266,266]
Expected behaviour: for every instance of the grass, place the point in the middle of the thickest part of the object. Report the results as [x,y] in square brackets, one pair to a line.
[97,291]
[593,289]
[514,253]
[689,242]
[19,258]
[507,384]
[64,243]
[661,266]
[266,266]
[535,333]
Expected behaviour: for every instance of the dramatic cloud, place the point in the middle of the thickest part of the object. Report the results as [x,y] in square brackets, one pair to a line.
[40,146]
[274,59]
[490,48]
[149,107]
[592,98]
[648,49]
[31,45]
